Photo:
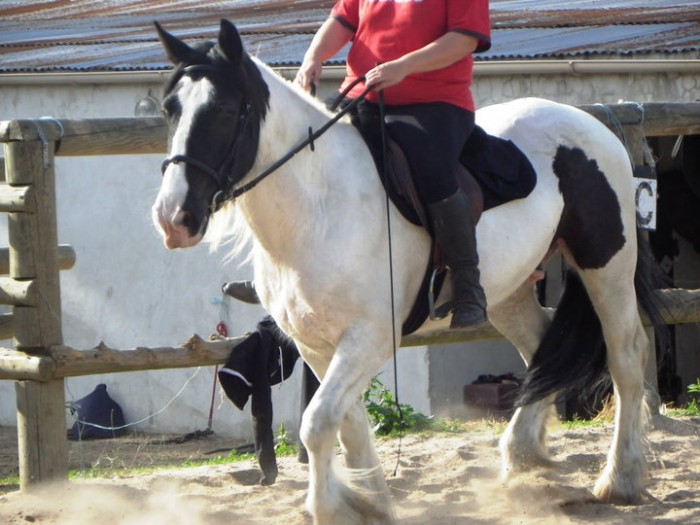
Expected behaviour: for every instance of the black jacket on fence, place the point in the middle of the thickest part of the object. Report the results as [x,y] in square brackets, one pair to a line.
[264,358]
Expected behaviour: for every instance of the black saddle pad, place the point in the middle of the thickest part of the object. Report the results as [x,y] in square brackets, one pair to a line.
[499,166]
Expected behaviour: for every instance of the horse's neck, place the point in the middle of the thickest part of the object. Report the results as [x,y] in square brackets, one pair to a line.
[297,203]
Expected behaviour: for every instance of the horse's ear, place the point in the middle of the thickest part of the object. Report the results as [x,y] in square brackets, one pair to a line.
[175,49]
[230,42]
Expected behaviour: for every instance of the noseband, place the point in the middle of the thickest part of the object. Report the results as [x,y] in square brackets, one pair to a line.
[222,176]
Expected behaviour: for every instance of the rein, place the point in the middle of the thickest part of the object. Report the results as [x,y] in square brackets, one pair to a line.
[309,141]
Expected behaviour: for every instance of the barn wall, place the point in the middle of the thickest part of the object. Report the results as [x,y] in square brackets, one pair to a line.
[590,89]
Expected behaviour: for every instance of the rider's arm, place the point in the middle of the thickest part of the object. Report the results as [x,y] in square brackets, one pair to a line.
[328,40]
[446,50]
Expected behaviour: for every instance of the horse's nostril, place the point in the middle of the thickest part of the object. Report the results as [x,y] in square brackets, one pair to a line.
[186,219]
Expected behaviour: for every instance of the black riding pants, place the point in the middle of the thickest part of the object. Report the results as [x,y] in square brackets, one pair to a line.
[432,136]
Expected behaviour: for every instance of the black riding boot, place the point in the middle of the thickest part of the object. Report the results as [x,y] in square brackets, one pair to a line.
[454,228]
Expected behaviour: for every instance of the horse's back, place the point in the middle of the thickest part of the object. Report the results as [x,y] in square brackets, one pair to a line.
[539,127]
[552,134]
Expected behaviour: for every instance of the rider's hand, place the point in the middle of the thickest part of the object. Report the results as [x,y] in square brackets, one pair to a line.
[309,74]
[386,75]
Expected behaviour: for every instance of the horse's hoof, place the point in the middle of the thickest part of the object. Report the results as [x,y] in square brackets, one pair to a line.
[525,464]
[608,495]
[611,489]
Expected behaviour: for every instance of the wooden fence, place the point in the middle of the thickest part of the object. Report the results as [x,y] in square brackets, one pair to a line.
[40,361]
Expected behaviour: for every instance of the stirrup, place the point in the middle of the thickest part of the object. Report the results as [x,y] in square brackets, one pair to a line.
[441,311]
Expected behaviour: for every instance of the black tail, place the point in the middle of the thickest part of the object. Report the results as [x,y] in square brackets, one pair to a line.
[572,355]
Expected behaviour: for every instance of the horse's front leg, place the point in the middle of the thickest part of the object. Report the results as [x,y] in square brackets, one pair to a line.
[333,498]
[367,475]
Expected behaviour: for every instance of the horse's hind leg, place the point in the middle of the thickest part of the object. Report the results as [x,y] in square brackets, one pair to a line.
[335,407]
[523,321]
[627,344]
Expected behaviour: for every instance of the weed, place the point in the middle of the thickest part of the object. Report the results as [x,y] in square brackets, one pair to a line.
[389,417]
[284,446]
[694,390]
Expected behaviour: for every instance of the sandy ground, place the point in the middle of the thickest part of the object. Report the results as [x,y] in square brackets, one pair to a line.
[442,479]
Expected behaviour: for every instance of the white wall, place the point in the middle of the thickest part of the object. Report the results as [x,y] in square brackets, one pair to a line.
[608,88]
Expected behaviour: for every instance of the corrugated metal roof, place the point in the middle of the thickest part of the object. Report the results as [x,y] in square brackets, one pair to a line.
[118,35]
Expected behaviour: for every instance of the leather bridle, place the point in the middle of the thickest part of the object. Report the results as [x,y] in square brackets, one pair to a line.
[220,176]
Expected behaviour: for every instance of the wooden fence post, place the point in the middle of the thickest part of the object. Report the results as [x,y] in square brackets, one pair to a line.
[641,156]
[41,420]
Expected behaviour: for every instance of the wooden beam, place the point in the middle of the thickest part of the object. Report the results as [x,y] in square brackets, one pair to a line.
[33,241]
[111,136]
[18,293]
[19,366]
[679,306]
[115,136]
[16,198]
[41,433]
[6,326]
[66,258]
[656,118]
[41,423]
[196,351]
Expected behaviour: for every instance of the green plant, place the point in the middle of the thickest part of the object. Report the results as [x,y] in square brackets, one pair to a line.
[386,415]
[694,388]
[284,445]
[694,391]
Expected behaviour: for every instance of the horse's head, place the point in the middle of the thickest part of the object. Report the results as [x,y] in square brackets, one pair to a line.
[213,104]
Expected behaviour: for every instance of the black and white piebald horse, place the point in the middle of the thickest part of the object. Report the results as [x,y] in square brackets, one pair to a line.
[319,233]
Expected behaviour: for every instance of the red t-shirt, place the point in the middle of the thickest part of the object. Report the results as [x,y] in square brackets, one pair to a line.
[388,29]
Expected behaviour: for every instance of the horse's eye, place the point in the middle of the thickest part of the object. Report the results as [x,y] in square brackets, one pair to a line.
[227,111]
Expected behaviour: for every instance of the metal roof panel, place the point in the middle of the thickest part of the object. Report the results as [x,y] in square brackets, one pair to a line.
[45,35]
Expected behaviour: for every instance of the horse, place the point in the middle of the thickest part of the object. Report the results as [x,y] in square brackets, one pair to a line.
[318,229]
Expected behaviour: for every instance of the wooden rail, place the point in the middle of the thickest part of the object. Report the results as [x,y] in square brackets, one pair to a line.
[680,307]
[656,119]
[146,135]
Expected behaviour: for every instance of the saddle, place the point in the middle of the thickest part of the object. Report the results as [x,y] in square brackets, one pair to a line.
[492,171]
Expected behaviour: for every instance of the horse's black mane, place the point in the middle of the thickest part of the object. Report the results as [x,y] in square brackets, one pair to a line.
[200,55]
[247,78]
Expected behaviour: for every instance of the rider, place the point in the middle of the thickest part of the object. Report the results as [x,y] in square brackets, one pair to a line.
[420,54]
